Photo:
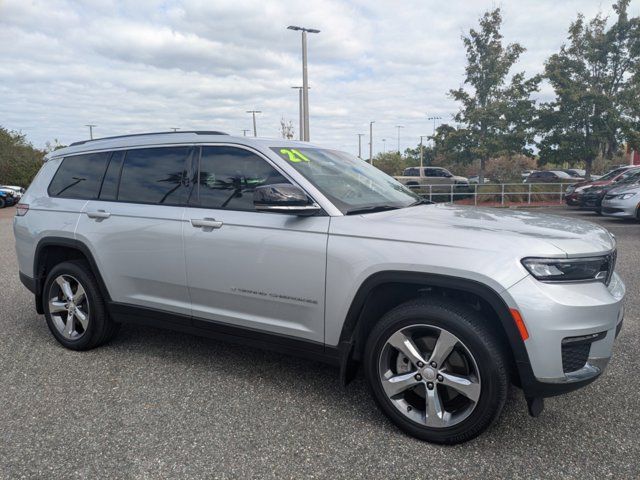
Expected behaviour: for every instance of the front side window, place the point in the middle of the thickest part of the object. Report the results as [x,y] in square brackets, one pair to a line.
[228,176]
[154,175]
[412,172]
[350,183]
[79,176]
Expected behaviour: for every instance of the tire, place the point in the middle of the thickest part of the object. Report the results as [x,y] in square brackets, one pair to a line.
[477,357]
[96,328]
[3,203]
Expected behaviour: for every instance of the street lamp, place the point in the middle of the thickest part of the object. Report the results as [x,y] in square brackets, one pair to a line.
[371,141]
[90,130]
[360,135]
[384,145]
[253,112]
[301,110]
[399,127]
[175,129]
[434,125]
[305,80]
[244,132]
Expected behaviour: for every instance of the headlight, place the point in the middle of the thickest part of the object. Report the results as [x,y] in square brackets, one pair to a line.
[624,196]
[598,269]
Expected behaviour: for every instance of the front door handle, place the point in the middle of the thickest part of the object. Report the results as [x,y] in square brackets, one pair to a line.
[206,223]
[99,214]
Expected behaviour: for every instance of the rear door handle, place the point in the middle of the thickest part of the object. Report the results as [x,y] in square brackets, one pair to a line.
[98,214]
[206,223]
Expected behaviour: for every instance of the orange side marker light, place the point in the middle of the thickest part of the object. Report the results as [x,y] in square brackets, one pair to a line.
[522,328]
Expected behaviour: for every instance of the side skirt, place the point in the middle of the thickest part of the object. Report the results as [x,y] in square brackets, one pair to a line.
[133,314]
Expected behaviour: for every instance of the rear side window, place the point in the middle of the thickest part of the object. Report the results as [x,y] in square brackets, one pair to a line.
[79,176]
[154,175]
[228,176]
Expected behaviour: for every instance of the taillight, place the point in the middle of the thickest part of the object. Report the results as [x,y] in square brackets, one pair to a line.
[21,209]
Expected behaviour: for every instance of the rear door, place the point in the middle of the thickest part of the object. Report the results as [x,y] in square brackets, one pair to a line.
[257,270]
[134,227]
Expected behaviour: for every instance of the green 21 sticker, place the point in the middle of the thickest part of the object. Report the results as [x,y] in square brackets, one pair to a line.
[294,155]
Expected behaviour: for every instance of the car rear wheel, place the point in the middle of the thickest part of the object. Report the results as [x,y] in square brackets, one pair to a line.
[436,370]
[74,307]
[2,202]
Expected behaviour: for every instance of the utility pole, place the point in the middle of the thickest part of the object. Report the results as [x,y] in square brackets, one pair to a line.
[301,112]
[244,132]
[253,112]
[399,127]
[175,129]
[371,141]
[90,130]
[384,145]
[421,149]
[305,79]
[360,135]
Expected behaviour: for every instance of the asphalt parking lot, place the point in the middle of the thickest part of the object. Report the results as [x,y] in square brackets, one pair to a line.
[157,404]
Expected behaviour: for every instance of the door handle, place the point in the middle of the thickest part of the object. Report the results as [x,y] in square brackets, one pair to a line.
[99,214]
[206,223]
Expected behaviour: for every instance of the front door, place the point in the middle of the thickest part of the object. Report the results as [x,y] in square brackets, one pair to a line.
[256,270]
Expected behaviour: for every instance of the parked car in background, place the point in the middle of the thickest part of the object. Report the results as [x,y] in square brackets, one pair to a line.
[623,201]
[420,176]
[7,198]
[575,191]
[592,197]
[549,176]
[526,173]
[18,191]
[476,179]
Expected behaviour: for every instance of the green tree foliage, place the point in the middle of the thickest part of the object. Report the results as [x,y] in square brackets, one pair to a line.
[596,79]
[392,163]
[496,112]
[19,161]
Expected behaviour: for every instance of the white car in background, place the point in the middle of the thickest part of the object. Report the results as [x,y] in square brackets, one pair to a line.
[622,202]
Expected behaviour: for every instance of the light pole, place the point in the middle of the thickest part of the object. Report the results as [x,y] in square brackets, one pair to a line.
[305,80]
[434,125]
[301,111]
[244,132]
[421,156]
[384,145]
[399,127]
[253,112]
[90,130]
[175,129]
[371,141]
[360,135]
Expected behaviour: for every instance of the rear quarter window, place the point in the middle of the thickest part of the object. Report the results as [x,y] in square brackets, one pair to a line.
[79,176]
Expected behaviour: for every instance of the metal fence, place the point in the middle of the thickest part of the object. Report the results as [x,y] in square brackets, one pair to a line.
[504,193]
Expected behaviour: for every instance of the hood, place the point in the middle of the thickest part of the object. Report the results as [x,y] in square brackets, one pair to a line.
[488,229]
[630,187]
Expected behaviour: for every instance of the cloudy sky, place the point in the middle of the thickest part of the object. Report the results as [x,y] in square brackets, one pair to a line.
[149,65]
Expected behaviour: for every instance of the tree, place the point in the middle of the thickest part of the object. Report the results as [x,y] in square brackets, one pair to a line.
[496,114]
[19,161]
[286,129]
[391,163]
[596,79]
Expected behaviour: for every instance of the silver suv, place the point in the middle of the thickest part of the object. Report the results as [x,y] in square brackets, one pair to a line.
[314,252]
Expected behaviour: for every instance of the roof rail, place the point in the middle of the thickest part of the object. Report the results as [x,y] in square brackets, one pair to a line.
[197,132]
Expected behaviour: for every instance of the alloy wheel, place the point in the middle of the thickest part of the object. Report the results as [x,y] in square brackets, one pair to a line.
[429,375]
[69,307]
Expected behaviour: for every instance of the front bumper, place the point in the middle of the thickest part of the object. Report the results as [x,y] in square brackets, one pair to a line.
[620,208]
[554,313]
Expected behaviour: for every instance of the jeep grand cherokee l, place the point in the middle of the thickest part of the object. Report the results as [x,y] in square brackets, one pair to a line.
[314,252]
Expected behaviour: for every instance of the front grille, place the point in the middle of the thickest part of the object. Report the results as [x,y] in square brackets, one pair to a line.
[574,357]
[609,197]
[575,351]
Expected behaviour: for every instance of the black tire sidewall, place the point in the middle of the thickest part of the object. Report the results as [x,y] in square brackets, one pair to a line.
[97,315]
[490,365]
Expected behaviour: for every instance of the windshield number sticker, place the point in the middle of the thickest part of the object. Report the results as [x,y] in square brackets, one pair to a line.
[295,156]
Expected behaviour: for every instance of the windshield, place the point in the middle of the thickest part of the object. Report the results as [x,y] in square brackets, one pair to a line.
[350,183]
[612,174]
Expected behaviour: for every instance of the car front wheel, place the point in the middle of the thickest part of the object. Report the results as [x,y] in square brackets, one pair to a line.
[436,370]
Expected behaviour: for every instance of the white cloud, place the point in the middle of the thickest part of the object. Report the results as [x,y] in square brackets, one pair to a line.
[155,64]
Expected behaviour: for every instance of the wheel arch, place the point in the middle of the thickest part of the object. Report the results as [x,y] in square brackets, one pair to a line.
[53,250]
[384,290]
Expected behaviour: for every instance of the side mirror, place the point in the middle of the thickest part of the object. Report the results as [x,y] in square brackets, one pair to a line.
[283,198]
